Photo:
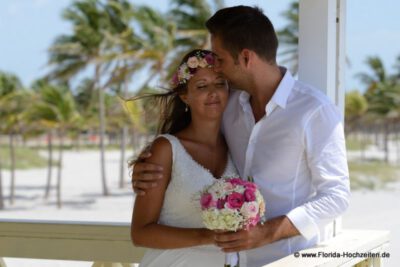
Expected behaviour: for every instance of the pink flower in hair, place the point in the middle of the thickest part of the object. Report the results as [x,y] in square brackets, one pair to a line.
[210,59]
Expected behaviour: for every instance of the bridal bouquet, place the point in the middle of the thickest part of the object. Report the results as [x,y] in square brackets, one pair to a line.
[231,204]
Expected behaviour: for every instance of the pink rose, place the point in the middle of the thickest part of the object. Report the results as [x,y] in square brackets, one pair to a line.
[235,200]
[221,203]
[249,195]
[250,185]
[252,222]
[236,181]
[206,201]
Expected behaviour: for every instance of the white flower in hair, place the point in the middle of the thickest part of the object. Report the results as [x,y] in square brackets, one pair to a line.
[184,73]
[203,63]
[193,62]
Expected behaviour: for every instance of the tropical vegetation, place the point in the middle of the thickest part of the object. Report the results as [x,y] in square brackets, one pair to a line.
[115,50]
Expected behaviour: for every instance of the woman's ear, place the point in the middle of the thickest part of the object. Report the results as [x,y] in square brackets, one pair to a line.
[183,97]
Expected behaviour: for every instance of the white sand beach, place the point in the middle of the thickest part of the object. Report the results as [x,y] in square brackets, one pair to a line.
[83,201]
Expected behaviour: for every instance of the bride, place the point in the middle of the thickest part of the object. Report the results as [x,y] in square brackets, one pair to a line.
[193,153]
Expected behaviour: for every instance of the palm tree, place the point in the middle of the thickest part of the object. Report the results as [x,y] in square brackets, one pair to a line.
[8,84]
[289,37]
[55,108]
[157,33]
[38,86]
[377,75]
[383,96]
[85,46]
[190,18]
[355,107]
[11,114]
[1,188]
[118,124]
[86,100]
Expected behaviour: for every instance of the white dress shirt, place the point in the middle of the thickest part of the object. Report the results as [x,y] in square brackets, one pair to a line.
[296,154]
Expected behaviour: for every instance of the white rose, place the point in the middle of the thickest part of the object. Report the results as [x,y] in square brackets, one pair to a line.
[203,63]
[249,209]
[193,62]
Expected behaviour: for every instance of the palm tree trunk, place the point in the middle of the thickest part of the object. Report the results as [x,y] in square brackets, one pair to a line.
[1,187]
[124,134]
[12,169]
[134,140]
[363,145]
[60,165]
[386,142]
[397,147]
[78,142]
[102,131]
[49,164]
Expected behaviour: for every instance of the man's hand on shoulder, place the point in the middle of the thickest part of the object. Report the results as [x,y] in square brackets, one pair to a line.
[145,175]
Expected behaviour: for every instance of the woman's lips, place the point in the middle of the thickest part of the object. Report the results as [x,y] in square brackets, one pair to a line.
[213,103]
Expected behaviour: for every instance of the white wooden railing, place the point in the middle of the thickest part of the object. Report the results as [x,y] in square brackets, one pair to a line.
[109,244]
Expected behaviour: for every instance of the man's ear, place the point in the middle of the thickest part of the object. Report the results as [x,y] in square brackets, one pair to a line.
[245,55]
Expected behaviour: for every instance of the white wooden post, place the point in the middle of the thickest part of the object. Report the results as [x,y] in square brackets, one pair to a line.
[322,46]
[322,54]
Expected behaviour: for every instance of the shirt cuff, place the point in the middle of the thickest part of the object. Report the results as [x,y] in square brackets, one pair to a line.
[306,225]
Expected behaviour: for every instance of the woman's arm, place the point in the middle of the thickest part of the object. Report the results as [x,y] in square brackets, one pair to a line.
[145,230]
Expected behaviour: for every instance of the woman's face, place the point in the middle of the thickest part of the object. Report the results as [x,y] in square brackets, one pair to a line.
[207,93]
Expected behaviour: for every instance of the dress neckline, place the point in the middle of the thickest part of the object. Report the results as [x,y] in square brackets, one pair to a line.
[200,165]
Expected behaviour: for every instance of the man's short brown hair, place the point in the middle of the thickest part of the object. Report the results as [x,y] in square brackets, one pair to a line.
[242,27]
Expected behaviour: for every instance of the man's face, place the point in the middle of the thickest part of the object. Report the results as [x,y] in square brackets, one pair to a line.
[225,63]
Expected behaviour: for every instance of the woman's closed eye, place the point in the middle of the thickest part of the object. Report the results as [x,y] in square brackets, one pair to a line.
[220,84]
[202,86]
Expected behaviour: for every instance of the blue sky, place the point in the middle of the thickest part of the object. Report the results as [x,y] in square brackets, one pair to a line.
[28,27]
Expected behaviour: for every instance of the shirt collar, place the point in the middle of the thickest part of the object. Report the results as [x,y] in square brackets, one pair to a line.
[280,96]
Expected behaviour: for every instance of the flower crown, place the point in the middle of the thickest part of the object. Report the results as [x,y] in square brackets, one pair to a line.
[201,59]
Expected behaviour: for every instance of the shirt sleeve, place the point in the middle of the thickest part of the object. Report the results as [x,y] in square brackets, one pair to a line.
[325,150]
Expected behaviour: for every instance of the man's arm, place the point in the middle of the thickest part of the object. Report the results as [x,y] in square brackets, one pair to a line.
[325,149]
[326,158]
[145,175]
[272,230]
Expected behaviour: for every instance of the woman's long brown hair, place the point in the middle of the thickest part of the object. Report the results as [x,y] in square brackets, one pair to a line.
[173,117]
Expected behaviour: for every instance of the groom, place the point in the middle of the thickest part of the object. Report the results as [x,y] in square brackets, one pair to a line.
[285,134]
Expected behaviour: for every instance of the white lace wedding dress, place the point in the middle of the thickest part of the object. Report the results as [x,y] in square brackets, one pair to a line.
[187,178]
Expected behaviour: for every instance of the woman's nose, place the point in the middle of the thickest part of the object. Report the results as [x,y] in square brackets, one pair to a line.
[213,90]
